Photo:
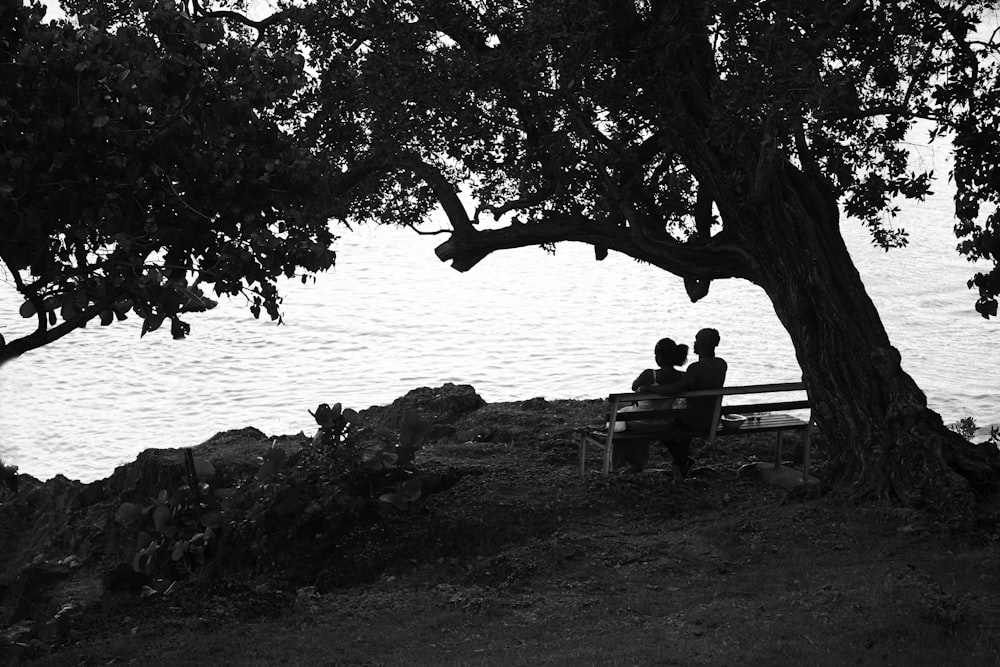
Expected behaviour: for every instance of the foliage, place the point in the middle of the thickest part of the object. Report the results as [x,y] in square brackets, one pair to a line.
[612,121]
[175,532]
[657,129]
[967,428]
[336,481]
[8,479]
[143,161]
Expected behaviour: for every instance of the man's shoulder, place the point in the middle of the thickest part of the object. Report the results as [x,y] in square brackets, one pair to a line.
[708,365]
[708,373]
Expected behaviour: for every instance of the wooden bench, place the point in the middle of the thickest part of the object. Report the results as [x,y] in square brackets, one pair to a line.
[763,419]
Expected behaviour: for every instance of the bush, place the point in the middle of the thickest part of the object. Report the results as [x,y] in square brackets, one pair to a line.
[175,532]
[967,428]
[8,479]
[298,505]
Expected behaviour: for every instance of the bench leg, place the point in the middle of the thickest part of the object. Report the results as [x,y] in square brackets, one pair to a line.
[777,451]
[806,453]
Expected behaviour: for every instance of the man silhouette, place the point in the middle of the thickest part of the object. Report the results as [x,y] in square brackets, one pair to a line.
[709,372]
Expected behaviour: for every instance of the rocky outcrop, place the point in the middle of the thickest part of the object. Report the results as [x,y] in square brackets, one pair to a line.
[59,536]
[59,541]
[438,407]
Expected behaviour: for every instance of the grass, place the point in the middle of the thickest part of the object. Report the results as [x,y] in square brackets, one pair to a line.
[524,563]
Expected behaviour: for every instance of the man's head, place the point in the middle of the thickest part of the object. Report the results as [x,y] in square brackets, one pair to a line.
[705,341]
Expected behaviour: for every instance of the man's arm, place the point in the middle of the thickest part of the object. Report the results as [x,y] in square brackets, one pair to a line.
[686,382]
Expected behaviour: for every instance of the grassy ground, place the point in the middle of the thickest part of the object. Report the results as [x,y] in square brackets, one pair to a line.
[523,562]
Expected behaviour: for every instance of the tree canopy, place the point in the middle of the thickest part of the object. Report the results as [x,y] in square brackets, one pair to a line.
[641,125]
[141,161]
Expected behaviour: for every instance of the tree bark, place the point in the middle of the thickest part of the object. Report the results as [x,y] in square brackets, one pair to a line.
[884,440]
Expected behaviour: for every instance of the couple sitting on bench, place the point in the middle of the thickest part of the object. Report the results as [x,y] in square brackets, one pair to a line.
[709,372]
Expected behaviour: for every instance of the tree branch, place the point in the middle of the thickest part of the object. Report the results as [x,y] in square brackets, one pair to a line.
[44,336]
[446,193]
[260,25]
[29,292]
[709,261]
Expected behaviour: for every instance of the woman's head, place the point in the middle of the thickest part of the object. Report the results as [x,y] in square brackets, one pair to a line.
[669,353]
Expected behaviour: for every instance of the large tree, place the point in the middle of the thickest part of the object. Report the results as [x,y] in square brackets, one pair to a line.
[711,138]
[141,160]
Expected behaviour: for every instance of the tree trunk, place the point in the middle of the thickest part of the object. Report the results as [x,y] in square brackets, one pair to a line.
[884,441]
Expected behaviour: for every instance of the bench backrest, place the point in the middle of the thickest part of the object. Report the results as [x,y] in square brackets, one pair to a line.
[615,401]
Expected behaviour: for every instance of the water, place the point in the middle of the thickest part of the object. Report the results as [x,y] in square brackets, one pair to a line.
[523,323]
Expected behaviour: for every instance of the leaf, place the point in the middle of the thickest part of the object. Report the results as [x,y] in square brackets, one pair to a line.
[107,317]
[68,310]
[210,520]
[27,309]
[161,518]
[151,323]
[179,329]
[101,120]
[181,496]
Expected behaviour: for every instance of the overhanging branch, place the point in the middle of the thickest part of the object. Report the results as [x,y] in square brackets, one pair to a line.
[260,26]
[45,335]
[704,262]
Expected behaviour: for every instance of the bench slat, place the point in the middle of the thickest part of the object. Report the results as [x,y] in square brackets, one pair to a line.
[660,413]
[723,391]
[766,423]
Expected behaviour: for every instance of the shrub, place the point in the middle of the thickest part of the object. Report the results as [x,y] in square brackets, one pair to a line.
[344,477]
[8,479]
[967,428]
[175,532]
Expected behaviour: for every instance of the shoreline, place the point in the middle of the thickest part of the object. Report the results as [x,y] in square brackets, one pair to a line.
[517,558]
[981,436]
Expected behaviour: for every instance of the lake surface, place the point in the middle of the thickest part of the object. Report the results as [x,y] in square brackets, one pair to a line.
[390,317]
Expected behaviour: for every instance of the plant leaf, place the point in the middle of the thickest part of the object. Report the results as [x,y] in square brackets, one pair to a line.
[161,518]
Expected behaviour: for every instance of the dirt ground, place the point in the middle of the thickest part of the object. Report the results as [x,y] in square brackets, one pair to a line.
[525,562]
